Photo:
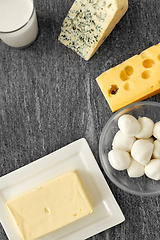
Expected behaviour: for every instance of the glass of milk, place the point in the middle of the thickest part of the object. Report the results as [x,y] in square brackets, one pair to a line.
[18,22]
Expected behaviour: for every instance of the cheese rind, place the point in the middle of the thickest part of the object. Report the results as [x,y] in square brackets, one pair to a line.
[133,80]
[88,24]
[50,206]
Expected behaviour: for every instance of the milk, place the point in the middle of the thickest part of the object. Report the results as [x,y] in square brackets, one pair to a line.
[18,22]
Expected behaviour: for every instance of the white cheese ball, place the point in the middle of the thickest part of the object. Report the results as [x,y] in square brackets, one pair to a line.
[135,169]
[123,141]
[156,130]
[146,128]
[129,125]
[142,151]
[152,169]
[119,159]
[156,149]
[151,139]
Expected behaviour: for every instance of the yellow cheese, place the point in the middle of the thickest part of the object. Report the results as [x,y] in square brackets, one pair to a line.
[88,24]
[50,206]
[135,79]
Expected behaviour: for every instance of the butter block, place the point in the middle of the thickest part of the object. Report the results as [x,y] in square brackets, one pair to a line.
[88,24]
[50,206]
[133,80]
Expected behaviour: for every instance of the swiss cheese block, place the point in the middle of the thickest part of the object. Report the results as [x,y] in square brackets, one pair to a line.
[135,79]
[88,24]
[50,206]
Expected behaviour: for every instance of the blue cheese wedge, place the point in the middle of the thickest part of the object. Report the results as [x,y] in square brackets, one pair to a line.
[88,24]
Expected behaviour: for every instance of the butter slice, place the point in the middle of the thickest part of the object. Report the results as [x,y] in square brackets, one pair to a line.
[89,22]
[133,80]
[50,206]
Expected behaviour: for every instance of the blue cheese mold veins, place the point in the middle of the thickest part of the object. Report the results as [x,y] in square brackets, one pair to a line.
[88,24]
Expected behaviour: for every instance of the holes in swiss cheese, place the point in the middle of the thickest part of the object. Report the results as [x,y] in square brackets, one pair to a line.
[159,57]
[144,54]
[126,73]
[113,90]
[128,86]
[148,63]
[146,74]
[124,76]
[129,70]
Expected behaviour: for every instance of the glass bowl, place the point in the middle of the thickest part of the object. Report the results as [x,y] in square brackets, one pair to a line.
[141,186]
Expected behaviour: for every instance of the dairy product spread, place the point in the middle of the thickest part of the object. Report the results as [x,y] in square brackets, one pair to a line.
[50,206]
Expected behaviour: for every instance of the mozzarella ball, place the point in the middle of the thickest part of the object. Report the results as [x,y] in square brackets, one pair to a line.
[146,128]
[151,139]
[129,125]
[135,169]
[152,169]
[156,130]
[156,149]
[123,141]
[119,159]
[142,151]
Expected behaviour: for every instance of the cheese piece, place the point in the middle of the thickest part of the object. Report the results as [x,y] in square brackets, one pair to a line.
[152,169]
[142,151]
[135,169]
[50,206]
[88,24]
[133,80]
[119,159]
[123,141]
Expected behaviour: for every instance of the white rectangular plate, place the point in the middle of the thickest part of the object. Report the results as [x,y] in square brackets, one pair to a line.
[77,155]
